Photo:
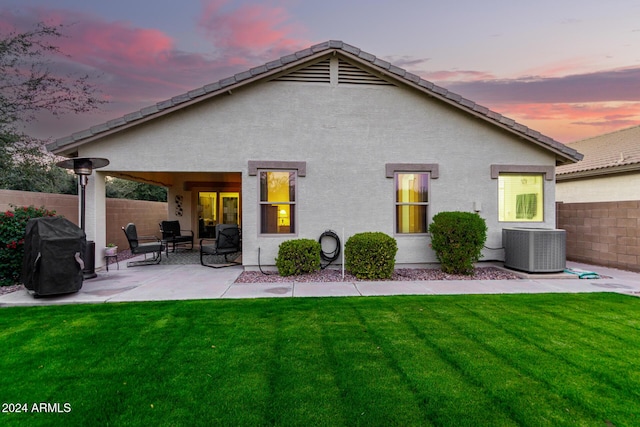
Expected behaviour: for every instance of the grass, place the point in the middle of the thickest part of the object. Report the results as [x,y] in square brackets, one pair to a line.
[490,360]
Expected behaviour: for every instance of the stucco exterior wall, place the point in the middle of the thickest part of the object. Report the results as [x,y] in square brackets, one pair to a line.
[345,134]
[608,188]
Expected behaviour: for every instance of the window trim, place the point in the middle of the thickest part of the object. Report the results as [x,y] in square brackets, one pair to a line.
[540,174]
[396,204]
[548,172]
[256,166]
[275,165]
[432,168]
[294,204]
[392,170]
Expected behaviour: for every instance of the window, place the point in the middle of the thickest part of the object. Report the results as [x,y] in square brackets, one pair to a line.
[277,202]
[520,197]
[412,182]
[412,199]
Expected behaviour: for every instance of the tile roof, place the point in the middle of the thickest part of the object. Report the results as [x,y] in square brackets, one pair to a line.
[605,154]
[564,153]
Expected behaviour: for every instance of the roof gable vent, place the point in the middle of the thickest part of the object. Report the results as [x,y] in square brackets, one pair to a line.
[333,71]
[320,72]
[351,74]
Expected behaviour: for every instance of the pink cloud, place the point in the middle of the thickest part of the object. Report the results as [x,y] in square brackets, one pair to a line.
[120,46]
[252,28]
[457,75]
[569,122]
[575,112]
[599,86]
[557,102]
[120,52]
[559,69]
[137,67]
[143,65]
[121,43]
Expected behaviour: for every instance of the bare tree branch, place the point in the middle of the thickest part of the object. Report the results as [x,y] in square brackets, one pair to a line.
[29,86]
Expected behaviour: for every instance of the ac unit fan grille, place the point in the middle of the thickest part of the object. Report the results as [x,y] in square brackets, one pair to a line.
[534,250]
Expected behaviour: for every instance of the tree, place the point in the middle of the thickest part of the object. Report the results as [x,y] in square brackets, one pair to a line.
[124,189]
[26,168]
[28,86]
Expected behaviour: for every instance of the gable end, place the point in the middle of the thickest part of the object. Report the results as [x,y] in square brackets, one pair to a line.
[332,62]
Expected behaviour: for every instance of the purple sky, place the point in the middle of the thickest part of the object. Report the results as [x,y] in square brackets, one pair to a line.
[567,68]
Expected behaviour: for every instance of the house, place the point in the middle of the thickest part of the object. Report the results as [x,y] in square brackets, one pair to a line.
[599,200]
[609,171]
[327,138]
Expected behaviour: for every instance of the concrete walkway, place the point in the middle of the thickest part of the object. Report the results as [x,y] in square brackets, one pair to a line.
[184,282]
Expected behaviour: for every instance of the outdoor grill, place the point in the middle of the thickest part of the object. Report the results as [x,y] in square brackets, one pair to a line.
[54,252]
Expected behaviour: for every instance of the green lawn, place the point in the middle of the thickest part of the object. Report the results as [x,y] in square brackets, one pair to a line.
[530,360]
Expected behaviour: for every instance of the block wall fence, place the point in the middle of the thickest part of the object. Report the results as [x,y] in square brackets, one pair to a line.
[602,233]
[146,215]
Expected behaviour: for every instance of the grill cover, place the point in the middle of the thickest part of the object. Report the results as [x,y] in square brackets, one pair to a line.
[54,251]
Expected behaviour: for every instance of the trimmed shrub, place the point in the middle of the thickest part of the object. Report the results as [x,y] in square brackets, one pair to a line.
[458,238]
[370,255]
[13,224]
[298,256]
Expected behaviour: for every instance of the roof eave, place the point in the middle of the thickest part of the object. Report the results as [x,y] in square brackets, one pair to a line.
[592,173]
[67,146]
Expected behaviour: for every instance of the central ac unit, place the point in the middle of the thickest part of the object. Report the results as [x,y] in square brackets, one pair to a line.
[535,250]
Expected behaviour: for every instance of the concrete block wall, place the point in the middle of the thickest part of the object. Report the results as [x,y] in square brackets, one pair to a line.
[602,233]
[146,215]
[64,204]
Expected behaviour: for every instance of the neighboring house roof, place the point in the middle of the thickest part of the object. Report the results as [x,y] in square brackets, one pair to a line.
[68,145]
[606,154]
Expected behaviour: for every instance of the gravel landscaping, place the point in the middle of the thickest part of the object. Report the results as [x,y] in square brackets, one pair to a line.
[402,274]
[8,289]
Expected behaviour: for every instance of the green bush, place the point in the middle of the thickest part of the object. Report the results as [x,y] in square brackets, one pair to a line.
[458,238]
[298,256]
[370,255]
[13,224]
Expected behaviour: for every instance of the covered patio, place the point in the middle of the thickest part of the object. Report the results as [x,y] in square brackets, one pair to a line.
[198,200]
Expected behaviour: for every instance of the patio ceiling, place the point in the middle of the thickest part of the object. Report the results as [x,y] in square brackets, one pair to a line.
[188,179]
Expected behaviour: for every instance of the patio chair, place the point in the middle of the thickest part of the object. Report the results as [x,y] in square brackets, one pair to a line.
[154,246]
[173,236]
[227,243]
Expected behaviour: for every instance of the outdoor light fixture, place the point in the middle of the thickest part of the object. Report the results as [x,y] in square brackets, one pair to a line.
[83,167]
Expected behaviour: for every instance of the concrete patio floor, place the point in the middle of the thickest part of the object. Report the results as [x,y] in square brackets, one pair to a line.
[185,282]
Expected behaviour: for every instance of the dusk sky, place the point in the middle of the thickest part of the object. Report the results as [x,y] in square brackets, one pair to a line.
[567,68]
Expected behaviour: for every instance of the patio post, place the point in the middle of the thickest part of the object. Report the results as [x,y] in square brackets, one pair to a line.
[83,167]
